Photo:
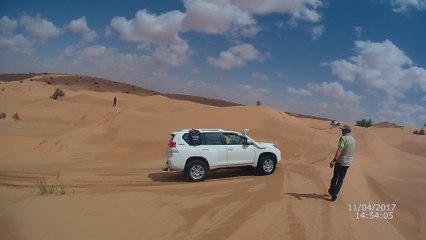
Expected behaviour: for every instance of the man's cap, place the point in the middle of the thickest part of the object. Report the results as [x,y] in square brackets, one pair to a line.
[346,127]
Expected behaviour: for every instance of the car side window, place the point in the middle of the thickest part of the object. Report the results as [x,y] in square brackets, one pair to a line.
[212,139]
[193,138]
[234,139]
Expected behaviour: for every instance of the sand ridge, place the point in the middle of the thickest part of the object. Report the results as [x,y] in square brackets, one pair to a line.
[109,160]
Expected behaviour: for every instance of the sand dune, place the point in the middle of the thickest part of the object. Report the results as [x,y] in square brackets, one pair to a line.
[109,161]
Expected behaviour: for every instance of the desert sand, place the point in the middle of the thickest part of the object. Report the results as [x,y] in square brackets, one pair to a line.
[108,163]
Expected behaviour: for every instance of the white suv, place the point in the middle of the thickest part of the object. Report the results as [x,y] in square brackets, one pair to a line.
[196,151]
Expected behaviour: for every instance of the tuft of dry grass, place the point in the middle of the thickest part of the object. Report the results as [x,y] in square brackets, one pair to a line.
[57,188]
[16,117]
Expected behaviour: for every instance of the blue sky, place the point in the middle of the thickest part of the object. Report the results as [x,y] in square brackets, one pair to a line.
[344,60]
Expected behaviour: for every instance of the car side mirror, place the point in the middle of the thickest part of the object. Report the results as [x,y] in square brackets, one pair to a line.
[248,142]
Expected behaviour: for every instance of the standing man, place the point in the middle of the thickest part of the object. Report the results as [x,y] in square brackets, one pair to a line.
[114,103]
[342,160]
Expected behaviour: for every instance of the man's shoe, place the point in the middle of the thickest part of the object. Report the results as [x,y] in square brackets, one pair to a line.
[333,198]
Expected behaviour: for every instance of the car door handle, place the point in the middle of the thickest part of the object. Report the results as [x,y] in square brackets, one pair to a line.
[230,149]
[205,149]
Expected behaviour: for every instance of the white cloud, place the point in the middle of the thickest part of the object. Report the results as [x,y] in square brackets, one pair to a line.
[359,31]
[241,93]
[96,53]
[156,33]
[301,92]
[392,111]
[80,26]
[39,28]
[412,109]
[105,58]
[17,44]
[317,32]
[381,66]
[249,31]
[173,54]
[405,5]
[259,76]
[423,98]
[280,24]
[215,16]
[7,26]
[13,46]
[102,61]
[334,90]
[418,76]
[347,111]
[195,71]
[234,57]
[305,10]
[146,27]
[221,16]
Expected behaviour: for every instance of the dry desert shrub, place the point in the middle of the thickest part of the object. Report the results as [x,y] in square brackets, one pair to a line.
[419,132]
[59,93]
[2,115]
[16,117]
[45,189]
[364,123]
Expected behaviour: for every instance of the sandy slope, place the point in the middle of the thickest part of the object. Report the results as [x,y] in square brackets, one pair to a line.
[109,160]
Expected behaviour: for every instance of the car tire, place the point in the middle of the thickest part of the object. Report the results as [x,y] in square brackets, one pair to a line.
[196,171]
[266,165]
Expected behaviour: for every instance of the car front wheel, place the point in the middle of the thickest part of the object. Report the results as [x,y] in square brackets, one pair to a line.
[266,165]
[196,171]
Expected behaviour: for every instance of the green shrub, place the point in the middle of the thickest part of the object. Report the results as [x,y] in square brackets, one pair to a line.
[58,94]
[364,123]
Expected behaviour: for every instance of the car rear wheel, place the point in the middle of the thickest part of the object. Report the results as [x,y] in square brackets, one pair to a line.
[266,165]
[196,171]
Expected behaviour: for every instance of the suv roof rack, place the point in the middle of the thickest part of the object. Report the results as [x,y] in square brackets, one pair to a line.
[204,129]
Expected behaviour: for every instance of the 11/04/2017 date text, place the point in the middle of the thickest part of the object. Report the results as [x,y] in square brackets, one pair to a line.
[372,210]
[371,207]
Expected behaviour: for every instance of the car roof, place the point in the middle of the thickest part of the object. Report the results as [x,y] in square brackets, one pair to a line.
[206,130]
[203,130]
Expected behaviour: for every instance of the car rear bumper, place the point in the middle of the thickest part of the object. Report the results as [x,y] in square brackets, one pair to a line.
[172,167]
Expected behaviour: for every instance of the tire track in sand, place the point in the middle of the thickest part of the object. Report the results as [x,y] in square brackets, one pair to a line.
[238,205]
[298,224]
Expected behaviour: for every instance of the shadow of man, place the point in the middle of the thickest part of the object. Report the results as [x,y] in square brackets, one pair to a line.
[299,196]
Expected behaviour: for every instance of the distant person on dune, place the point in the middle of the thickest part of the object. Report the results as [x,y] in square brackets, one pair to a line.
[114,103]
[342,160]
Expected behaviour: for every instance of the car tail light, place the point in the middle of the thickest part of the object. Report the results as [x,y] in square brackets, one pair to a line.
[172,144]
